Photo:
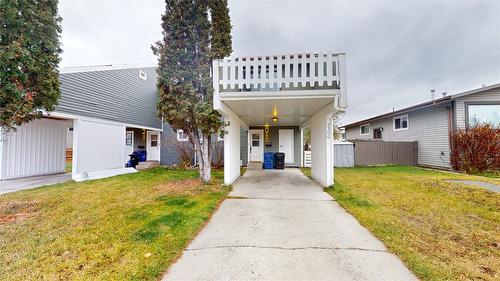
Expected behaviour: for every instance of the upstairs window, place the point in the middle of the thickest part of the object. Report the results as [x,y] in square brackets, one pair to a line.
[364,129]
[400,123]
[181,136]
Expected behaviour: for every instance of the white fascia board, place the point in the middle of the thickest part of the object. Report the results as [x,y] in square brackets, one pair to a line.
[105,121]
[311,94]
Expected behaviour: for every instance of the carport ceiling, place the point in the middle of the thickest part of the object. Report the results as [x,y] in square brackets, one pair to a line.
[291,112]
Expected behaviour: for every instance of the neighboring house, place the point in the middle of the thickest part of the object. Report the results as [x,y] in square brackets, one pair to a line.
[431,123]
[110,111]
[268,101]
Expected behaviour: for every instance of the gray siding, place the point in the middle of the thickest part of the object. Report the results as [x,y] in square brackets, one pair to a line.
[274,138]
[169,155]
[244,146]
[117,95]
[492,95]
[428,126]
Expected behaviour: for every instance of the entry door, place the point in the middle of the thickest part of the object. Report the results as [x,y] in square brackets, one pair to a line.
[286,144]
[129,144]
[256,146]
[153,146]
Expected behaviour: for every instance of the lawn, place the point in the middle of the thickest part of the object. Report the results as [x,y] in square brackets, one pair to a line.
[441,231]
[129,227]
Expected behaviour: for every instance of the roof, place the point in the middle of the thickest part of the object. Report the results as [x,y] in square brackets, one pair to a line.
[112,93]
[439,101]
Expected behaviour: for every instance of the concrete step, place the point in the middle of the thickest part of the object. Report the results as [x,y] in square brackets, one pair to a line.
[147,165]
[254,166]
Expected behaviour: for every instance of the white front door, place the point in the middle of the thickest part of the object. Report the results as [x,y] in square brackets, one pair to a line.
[256,143]
[153,146]
[286,144]
[129,144]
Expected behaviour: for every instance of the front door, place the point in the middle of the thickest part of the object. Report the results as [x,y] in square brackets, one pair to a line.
[129,144]
[153,146]
[256,146]
[286,144]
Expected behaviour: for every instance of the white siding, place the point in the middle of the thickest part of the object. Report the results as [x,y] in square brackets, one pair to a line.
[492,95]
[428,126]
[36,148]
[97,146]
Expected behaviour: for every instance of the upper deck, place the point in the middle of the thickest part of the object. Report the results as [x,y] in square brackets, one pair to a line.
[276,73]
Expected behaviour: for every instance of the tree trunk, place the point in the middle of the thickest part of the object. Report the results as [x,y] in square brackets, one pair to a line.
[203,154]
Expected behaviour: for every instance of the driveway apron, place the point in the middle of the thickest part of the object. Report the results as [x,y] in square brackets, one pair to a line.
[280,225]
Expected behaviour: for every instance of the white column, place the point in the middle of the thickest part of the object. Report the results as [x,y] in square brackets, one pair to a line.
[231,149]
[301,147]
[322,146]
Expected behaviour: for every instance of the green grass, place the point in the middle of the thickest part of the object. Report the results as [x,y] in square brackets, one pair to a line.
[441,231]
[129,227]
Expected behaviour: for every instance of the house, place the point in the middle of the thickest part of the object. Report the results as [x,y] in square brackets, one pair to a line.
[111,111]
[267,102]
[431,123]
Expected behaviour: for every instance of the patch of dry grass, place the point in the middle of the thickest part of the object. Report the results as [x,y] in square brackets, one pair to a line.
[441,230]
[129,227]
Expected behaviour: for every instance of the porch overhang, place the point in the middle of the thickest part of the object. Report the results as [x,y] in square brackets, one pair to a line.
[291,108]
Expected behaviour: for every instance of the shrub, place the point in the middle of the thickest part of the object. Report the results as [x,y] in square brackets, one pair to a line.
[476,149]
[185,151]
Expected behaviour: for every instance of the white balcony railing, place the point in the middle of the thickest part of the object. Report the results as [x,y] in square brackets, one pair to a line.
[277,73]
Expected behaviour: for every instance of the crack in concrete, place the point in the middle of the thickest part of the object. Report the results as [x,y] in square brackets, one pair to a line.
[288,248]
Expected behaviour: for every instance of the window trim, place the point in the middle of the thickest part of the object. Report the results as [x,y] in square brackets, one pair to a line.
[361,131]
[468,103]
[407,122]
[185,138]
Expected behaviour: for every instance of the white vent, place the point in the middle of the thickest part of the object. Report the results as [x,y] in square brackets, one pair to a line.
[143,75]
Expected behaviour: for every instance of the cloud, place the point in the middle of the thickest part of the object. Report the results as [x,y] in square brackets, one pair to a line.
[396,50]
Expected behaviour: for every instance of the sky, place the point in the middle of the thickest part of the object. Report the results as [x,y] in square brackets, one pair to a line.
[396,51]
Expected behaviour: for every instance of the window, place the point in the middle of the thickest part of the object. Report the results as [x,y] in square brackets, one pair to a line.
[364,129]
[483,113]
[181,136]
[377,133]
[154,140]
[400,123]
[255,139]
[128,138]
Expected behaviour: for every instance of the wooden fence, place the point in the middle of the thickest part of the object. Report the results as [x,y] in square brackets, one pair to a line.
[367,153]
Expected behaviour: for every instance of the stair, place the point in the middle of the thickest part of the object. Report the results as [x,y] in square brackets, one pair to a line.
[147,165]
[254,166]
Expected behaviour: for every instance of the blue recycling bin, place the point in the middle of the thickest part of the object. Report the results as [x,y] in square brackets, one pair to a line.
[142,155]
[268,160]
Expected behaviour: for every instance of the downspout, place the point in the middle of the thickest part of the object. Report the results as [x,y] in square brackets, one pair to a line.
[450,132]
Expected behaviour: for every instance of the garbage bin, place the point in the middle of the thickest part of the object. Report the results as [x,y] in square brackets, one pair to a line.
[268,160]
[134,160]
[279,160]
[142,155]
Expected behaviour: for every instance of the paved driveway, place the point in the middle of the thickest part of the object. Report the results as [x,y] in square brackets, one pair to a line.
[279,225]
[32,182]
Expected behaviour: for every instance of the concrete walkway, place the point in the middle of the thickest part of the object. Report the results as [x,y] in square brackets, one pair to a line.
[32,182]
[279,225]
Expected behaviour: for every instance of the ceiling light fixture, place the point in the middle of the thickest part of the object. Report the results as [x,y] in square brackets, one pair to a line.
[275,119]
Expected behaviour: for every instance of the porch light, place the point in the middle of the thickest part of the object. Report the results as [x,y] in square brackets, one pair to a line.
[275,119]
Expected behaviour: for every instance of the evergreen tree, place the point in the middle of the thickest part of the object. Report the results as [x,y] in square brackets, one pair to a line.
[190,41]
[29,57]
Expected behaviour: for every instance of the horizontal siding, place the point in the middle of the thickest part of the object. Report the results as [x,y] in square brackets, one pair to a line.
[36,148]
[117,95]
[492,95]
[428,126]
